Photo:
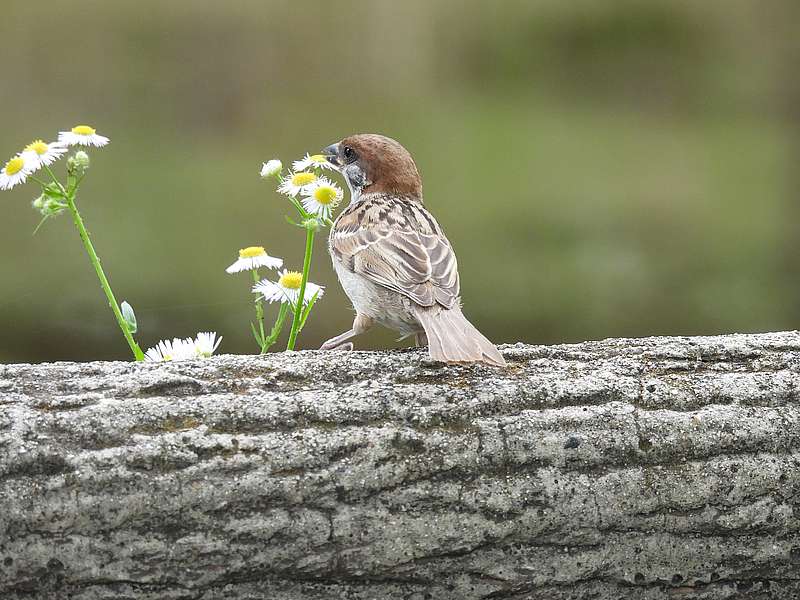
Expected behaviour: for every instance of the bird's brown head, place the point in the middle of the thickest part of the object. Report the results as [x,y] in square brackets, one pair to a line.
[373,163]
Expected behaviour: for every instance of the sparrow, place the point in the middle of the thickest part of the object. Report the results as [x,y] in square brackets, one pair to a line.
[392,257]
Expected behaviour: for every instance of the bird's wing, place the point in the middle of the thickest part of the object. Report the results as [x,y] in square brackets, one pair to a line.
[413,259]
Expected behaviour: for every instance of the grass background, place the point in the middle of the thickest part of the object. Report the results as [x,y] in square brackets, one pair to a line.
[602,169]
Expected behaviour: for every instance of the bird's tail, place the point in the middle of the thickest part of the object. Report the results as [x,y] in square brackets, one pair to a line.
[453,339]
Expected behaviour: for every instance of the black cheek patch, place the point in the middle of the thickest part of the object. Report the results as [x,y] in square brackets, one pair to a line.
[355,177]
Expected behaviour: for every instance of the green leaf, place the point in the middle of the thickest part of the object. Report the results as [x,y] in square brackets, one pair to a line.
[129,316]
[307,312]
[44,218]
[276,328]
[53,191]
[256,335]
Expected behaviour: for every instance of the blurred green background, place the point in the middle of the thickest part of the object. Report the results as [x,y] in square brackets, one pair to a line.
[602,168]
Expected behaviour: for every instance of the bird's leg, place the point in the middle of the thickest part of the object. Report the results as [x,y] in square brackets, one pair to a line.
[342,341]
[420,339]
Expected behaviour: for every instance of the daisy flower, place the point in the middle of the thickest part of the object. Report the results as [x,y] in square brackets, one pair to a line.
[39,153]
[15,172]
[82,135]
[254,257]
[294,184]
[320,197]
[271,168]
[311,160]
[206,343]
[166,350]
[287,288]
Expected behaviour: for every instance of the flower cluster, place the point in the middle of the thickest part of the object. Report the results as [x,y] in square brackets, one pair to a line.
[57,196]
[309,191]
[39,154]
[202,346]
[318,194]
[314,196]
[285,290]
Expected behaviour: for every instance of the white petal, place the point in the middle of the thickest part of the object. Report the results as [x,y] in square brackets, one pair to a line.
[270,291]
[237,267]
[311,289]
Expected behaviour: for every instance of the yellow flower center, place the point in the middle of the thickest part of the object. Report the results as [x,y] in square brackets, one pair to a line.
[303,178]
[318,159]
[252,252]
[83,130]
[325,194]
[38,146]
[291,280]
[14,166]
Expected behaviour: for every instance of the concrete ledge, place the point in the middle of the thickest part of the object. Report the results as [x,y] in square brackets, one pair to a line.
[646,468]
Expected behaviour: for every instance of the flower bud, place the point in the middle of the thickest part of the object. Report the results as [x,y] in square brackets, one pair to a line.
[128,316]
[52,205]
[312,224]
[48,206]
[78,163]
[82,159]
[271,168]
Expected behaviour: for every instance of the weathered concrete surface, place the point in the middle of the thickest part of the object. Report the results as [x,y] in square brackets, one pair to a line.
[652,468]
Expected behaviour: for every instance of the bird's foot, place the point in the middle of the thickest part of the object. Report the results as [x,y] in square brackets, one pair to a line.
[334,344]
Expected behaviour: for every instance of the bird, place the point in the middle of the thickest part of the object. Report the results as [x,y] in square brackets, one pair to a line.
[392,258]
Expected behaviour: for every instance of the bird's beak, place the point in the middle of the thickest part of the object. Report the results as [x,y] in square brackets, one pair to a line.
[331,153]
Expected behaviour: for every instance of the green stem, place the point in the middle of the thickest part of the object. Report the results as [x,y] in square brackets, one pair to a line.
[76,217]
[298,310]
[296,203]
[37,180]
[55,180]
[277,327]
[259,314]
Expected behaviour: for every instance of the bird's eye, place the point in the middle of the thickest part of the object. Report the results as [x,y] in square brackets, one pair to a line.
[349,154]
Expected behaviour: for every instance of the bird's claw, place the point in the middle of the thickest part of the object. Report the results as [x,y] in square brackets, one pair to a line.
[346,346]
